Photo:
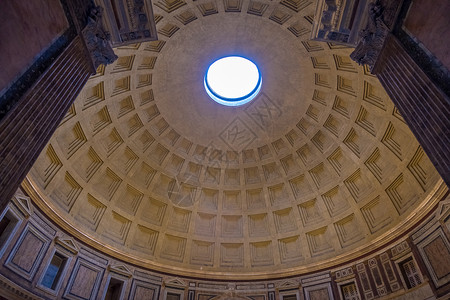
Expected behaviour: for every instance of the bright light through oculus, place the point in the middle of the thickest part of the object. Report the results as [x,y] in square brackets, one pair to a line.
[233,81]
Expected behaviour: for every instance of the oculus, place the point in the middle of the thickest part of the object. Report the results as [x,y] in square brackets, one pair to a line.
[233,80]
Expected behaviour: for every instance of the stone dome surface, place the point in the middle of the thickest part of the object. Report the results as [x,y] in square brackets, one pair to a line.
[318,169]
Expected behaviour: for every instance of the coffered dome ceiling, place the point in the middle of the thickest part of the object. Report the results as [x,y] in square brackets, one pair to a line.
[320,168]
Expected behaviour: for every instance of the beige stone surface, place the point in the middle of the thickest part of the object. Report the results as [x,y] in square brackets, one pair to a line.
[318,169]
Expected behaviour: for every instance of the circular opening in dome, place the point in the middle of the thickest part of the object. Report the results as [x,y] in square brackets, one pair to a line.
[233,80]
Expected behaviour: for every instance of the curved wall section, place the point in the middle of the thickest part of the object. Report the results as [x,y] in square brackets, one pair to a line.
[412,267]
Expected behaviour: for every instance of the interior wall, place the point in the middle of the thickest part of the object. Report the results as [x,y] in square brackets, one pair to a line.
[428,22]
[32,26]
[27,248]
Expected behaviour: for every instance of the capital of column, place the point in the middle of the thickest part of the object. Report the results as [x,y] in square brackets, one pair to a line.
[97,39]
[372,37]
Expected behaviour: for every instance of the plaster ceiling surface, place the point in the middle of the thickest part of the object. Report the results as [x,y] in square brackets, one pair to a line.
[318,169]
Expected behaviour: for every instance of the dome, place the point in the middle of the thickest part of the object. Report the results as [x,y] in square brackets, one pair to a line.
[318,169]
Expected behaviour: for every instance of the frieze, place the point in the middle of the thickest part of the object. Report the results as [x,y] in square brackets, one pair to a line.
[129,21]
[97,39]
[372,37]
[338,21]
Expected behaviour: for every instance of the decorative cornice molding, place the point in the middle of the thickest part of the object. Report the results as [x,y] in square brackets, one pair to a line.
[175,282]
[68,244]
[23,204]
[121,270]
[12,291]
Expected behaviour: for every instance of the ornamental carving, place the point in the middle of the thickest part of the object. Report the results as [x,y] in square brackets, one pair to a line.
[372,37]
[130,21]
[97,39]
